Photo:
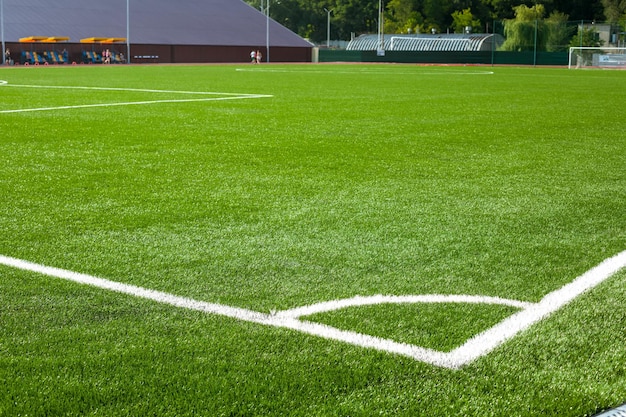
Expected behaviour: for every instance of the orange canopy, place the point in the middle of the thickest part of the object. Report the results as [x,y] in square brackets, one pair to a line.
[51,39]
[102,40]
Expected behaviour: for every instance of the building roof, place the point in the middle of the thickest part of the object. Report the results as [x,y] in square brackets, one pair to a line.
[426,42]
[163,22]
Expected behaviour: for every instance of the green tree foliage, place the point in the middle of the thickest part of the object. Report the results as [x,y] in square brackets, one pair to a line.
[614,10]
[527,30]
[309,20]
[463,19]
[580,9]
[559,32]
[402,16]
[586,37]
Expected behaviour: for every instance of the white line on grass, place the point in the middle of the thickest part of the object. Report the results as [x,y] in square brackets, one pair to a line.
[224,96]
[363,72]
[359,301]
[474,348]
[140,90]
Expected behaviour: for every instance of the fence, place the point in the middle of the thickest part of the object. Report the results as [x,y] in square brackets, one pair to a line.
[536,42]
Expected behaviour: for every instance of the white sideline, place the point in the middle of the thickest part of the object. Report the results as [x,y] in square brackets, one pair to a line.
[473,349]
[361,71]
[223,96]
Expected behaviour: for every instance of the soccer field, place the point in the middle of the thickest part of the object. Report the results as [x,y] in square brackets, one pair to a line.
[312,240]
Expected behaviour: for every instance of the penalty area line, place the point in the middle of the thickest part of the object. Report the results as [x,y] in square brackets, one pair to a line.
[131,103]
[223,96]
[137,90]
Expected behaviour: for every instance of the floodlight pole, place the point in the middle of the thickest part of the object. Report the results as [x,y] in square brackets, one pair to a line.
[267,32]
[128,31]
[2,31]
[535,47]
[381,30]
[328,27]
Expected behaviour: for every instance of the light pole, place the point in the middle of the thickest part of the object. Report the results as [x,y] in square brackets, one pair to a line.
[128,31]
[266,12]
[2,30]
[381,30]
[267,32]
[328,12]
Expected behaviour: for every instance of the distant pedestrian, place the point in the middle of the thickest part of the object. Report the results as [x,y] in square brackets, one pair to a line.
[258,57]
[253,57]
[7,57]
[106,55]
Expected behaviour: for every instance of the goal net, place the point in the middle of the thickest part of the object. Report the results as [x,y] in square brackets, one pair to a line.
[597,57]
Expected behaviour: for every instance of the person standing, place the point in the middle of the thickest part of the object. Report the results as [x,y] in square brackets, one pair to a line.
[258,57]
[253,57]
[106,55]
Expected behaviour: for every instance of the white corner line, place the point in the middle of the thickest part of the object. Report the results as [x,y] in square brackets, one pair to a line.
[488,340]
[473,349]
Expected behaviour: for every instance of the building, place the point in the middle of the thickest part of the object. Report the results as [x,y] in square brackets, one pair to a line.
[454,42]
[149,31]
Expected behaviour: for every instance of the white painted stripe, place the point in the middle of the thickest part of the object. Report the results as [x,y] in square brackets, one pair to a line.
[474,348]
[361,72]
[129,103]
[398,299]
[141,292]
[232,312]
[488,340]
[139,90]
[223,96]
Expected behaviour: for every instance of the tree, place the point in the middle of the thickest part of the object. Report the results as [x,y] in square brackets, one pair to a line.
[402,16]
[503,9]
[527,31]
[586,37]
[614,10]
[355,16]
[308,18]
[463,19]
[559,32]
[580,9]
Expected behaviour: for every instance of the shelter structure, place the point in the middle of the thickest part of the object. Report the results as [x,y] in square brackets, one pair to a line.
[421,42]
[155,31]
[43,50]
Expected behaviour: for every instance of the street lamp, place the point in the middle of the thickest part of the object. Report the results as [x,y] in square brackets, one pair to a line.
[328,12]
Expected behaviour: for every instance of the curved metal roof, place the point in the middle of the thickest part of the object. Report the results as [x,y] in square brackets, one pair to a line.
[426,43]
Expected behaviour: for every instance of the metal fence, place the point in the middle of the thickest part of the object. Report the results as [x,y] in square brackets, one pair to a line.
[535,42]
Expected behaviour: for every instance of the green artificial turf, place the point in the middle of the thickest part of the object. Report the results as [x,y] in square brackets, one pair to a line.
[341,180]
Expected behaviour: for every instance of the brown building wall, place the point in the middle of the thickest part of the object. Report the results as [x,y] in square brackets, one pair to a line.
[165,54]
[214,54]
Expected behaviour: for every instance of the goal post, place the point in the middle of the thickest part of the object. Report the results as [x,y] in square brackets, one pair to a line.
[596,57]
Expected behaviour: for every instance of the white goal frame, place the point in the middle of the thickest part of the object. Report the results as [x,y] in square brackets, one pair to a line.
[596,57]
